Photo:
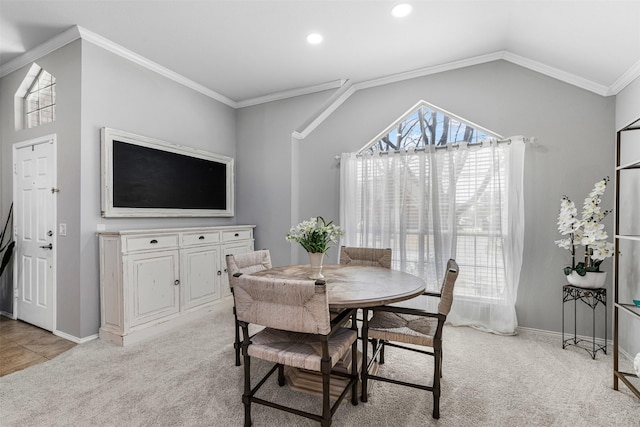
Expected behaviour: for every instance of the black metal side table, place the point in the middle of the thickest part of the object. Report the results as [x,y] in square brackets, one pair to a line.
[591,297]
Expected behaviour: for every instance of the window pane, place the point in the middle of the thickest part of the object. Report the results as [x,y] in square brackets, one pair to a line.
[46,96]
[45,79]
[425,127]
[32,103]
[39,102]
[46,115]
[35,87]
[33,119]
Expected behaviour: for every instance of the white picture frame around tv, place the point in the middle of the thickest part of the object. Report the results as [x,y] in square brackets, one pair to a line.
[147,177]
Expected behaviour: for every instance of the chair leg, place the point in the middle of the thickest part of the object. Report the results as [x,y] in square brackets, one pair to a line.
[326,389]
[281,380]
[246,396]
[437,373]
[364,374]
[381,358]
[354,364]
[236,344]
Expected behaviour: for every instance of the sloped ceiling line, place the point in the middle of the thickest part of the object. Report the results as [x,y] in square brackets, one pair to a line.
[77,32]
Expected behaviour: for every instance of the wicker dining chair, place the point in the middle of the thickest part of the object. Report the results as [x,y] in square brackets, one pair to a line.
[248,262]
[298,333]
[372,257]
[350,255]
[410,322]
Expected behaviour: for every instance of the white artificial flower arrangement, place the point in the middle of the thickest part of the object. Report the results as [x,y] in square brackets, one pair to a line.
[587,231]
[315,235]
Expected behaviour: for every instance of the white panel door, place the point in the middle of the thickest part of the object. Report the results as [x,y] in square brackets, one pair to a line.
[34,227]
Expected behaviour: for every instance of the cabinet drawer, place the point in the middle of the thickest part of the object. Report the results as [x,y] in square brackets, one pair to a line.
[150,242]
[200,238]
[230,236]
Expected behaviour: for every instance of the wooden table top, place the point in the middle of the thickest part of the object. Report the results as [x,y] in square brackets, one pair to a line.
[354,286]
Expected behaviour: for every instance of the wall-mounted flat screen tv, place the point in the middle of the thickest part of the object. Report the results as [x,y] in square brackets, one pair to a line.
[146,177]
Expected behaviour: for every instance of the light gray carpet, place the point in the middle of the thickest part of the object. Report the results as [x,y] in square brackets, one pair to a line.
[187,378]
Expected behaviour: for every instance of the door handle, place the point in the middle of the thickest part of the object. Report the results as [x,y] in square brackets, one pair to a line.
[49,246]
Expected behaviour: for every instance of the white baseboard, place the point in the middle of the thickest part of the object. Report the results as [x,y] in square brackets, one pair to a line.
[74,338]
[9,315]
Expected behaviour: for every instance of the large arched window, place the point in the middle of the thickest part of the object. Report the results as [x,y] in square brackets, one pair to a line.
[433,186]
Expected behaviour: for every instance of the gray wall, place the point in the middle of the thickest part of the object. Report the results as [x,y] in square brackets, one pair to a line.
[264,169]
[628,111]
[64,65]
[575,148]
[119,94]
[95,89]
[280,182]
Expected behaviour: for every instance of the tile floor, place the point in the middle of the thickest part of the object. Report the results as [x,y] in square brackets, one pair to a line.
[23,345]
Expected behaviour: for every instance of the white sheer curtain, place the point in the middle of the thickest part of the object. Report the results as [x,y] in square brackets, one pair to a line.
[428,206]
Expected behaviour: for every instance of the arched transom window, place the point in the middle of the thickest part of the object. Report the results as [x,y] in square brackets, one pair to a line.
[427,125]
[37,95]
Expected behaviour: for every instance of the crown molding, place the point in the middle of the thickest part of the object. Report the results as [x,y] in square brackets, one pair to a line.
[334,102]
[77,32]
[629,76]
[557,74]
[421,72]
[277,96]
[329,106]
[115,48]
[54,43]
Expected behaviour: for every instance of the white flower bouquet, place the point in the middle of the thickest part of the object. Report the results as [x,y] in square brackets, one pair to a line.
[587,231]
[315,235]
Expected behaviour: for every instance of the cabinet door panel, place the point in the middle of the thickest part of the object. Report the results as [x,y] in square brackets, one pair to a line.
[201,276]
[154,292]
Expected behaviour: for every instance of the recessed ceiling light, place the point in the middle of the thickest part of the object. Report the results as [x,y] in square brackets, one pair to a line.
[314,38]
[401,10]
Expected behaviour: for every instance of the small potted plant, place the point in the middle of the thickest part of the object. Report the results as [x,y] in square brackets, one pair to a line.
[588,231]
[315,236]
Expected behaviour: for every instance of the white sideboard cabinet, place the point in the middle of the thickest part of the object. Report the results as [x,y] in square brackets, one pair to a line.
[154,280]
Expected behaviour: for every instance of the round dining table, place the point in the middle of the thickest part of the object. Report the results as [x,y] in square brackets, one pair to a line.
[356,286]
[348,287]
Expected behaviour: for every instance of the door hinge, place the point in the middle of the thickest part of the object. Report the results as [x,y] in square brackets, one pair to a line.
[15,169]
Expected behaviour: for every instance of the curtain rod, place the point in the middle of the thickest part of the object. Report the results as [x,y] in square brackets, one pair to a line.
[455,146]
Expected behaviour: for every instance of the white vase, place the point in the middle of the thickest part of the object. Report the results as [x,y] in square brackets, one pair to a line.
[591,280]
[315,260]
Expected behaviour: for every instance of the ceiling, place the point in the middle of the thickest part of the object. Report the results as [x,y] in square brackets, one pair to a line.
[247,50]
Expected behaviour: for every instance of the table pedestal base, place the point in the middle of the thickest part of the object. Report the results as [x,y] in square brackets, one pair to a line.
[311,381]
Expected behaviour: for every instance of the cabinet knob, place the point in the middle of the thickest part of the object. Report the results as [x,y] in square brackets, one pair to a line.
[153,242]
[237,234]
[219,273]
[177,282]
[201,238]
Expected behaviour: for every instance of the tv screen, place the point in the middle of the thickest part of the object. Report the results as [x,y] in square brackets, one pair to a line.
[146,177]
